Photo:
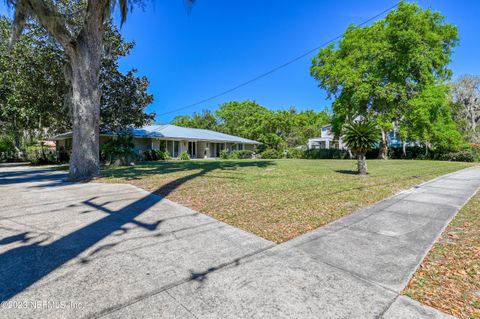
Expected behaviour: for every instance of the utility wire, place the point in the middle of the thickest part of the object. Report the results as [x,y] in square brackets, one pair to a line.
[276,68]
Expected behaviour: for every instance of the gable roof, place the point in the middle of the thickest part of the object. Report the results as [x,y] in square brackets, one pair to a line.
[177,132]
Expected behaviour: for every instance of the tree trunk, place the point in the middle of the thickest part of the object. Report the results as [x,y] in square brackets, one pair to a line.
[383,152]
[85,62]
[362,164]
[404,149]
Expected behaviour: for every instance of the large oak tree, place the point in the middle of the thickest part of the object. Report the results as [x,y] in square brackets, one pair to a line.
[35,112]
[83,45]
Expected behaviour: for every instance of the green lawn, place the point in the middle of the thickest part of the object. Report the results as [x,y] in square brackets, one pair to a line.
[277,199]
[449,277]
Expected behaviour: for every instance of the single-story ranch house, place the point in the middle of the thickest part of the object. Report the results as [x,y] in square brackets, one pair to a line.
[174,139]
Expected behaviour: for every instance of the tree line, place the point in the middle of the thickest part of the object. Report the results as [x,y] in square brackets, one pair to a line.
[276,129]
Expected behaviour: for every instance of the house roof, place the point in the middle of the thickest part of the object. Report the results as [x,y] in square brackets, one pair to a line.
[177,132]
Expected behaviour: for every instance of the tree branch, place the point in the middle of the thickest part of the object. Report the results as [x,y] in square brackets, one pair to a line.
[20,17]
[96,14]
[52,20]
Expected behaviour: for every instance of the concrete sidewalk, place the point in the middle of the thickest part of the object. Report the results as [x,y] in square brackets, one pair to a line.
[119,252]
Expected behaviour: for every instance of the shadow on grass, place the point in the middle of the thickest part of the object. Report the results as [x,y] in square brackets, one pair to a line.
[168,167]
[22,266]
[347,171]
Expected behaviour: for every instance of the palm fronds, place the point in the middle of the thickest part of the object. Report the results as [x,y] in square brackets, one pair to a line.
[361,136]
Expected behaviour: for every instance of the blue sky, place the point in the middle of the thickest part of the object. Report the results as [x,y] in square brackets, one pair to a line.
[219,44]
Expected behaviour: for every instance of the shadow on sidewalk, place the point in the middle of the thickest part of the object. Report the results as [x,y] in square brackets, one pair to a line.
[22,266]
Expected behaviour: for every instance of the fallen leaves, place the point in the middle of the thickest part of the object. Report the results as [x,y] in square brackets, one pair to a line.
[277,199]
[449,277]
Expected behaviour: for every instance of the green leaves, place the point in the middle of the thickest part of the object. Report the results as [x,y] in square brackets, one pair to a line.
[204,120]
[276,129]
[361,136]
[33,89]
[384,70]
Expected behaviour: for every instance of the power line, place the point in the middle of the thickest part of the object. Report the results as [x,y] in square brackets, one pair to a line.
[276,68]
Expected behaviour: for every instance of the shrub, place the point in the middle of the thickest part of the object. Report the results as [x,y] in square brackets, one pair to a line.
[148,155]
[461,156]
[163,155]
[233,155]
[271,153]
[326,153]
[36,154]
[33,154]
[475,150]
[119,150]
[243,154]
[420,153]
[7,147]
[294,153]
[156,155]
[224,154]
[7,144]
[412,152]
[184,156]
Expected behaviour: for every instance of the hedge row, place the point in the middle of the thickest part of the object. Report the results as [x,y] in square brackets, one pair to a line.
[245,154]
[471,154]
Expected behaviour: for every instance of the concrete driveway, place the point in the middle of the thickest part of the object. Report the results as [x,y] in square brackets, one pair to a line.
[101,250]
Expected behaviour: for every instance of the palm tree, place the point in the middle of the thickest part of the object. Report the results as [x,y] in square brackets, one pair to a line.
[360,138]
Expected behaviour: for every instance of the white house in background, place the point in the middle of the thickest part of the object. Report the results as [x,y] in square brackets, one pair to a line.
[174,139]
[326,140]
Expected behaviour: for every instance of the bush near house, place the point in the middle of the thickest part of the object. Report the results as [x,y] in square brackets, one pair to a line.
[36,154]
[118,151]
[184,156]
[243,154]
[156,155]
[7,148]
[224,154]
